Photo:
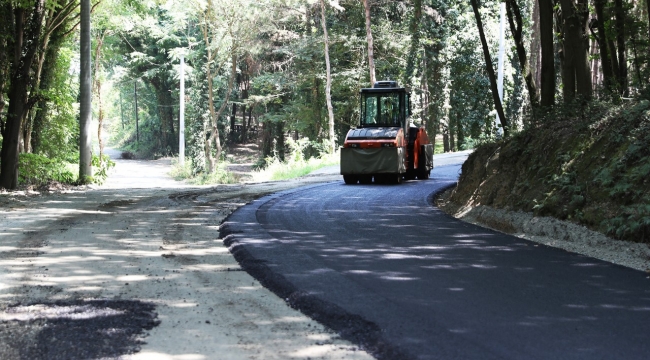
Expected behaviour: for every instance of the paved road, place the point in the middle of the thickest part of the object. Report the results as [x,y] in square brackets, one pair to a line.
[382,267]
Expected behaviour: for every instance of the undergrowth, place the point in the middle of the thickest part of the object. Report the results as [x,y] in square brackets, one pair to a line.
[221,175]
[296,165]
[588,164]
[38,170]
[269,169]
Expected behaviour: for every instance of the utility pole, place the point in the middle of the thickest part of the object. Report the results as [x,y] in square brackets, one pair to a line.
[502,47]
[137,128]
[181,125]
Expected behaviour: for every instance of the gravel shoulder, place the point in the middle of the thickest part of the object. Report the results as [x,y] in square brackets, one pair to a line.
[134,269]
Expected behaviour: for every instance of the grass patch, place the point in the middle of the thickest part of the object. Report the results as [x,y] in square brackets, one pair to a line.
[439,148]
[221,175]
[294,168]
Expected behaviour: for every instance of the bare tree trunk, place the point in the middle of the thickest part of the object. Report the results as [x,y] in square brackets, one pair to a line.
[371,57]
[27,131]
[211,161]
[85,151]
[233,122]
[445,140]
[328,86]
[595,67]
[637,65]
[244,126]
[547,84]
[535,48]
[515,20]
[6,23]
[620,46]
[490,71]
[98,92]
[647,11]
[605,59]
[267,140]
[576,75]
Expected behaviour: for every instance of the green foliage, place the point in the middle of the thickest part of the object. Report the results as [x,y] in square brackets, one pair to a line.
[38,170]
[221,175]
[587,163]
[179,172]
[100,168]
[297,164]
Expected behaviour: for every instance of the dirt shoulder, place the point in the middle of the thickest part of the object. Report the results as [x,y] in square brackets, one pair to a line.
[135,269]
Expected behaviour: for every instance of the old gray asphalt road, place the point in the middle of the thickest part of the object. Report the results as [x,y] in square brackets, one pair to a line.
[384,268]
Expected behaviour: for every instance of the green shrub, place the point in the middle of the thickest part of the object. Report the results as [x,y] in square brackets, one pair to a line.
[297,165]
[100,173]
[38,170]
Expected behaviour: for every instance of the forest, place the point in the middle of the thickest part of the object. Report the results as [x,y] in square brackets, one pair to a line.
[281,71]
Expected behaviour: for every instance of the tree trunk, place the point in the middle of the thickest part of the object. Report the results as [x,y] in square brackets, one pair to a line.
[414,29]
[163,88]
[267,140]
[535,55]
[233,122]
[27,131]
[637,65]
[445,140]
[98,92]
[595,64]
[371,57]
[279,140]
[85,94]
[328,86]
[620,46]
[605,60]
[215,115]
[27,29]
[647,11]
[576,75]
[244,126]
[6,23]
[547,84]
[490,71]
[515,20]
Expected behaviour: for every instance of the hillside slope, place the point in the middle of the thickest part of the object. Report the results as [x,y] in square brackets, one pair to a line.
[589,166]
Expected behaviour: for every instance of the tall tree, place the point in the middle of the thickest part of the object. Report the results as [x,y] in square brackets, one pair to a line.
[85,95]
[490,70]
[516,22]
[98,90]
[220,48]
[603,46]
[371,56]
[547,85]
[619,14]
[27,26]
[414,30]
[576,73]
[328,79]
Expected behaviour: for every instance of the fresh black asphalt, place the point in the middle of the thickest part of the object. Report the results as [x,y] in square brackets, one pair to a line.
[387,270]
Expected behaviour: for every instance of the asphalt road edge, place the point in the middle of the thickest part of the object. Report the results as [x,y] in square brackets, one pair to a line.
[241,225]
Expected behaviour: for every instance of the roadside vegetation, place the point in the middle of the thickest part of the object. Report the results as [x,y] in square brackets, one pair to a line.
[296,165]
[286,75]
[586,163]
